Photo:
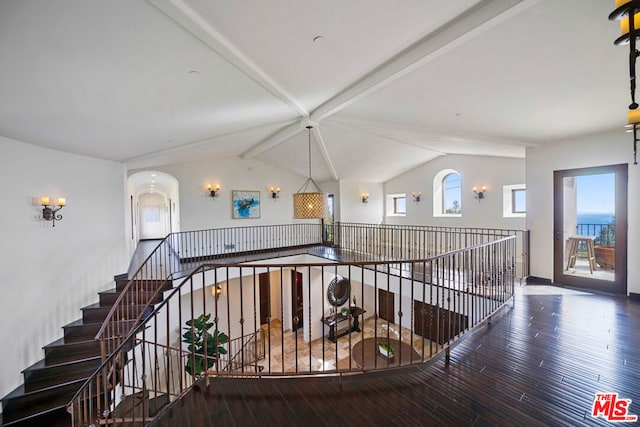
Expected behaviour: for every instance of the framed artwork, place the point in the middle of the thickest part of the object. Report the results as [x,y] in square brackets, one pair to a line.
[151,213]
[245,204]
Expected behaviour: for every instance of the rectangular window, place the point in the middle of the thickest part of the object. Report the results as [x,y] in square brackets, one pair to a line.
[518,201]
[396,204]
[514,201]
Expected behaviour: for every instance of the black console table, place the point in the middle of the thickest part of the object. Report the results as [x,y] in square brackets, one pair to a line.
[335,321]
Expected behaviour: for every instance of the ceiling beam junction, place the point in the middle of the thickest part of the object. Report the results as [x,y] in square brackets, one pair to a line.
[480,18]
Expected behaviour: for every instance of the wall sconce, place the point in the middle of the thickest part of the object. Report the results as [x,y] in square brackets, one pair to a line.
[365,198]
[49,212]
[216,291]
[213,191]
[480,194]
[416,196]
[275,192]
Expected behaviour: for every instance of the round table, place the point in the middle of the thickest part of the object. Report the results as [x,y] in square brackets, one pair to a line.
[366,355]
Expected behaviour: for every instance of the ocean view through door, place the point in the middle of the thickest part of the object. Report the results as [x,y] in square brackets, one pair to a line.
[590,228]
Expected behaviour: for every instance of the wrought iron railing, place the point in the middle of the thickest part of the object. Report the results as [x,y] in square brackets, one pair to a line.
[419,306]
[420,241]
[180,253]
[245,351]
[604,233]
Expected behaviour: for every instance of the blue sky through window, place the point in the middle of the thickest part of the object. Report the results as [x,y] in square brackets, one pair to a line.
[596,193]
[452,193]
[519,200]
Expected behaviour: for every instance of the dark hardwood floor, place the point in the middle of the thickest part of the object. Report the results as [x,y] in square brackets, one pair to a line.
[539,363]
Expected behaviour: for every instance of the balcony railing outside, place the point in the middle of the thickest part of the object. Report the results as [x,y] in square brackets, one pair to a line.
[437,298]
[604,233]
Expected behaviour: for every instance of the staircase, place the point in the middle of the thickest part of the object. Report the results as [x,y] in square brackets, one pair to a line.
[50,384]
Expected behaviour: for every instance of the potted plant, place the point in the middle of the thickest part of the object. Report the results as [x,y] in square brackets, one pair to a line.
[196,336]
[386,349]
[344,311]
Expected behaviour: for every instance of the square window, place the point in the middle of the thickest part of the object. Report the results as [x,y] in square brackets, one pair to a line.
[396,204]
[514,201]
[518,199]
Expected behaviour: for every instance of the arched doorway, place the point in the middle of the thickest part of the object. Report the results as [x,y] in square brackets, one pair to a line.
[153,206]
[153,216]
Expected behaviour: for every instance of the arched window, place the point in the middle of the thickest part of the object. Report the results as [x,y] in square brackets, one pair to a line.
[447,193]
[452,194]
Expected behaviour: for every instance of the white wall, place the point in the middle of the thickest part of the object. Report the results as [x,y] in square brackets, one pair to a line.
[352,208]
[199,211]
[49,273]
[595,150]
[494,172]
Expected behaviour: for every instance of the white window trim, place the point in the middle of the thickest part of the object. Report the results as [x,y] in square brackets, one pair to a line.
[438,196]
[390,204]
[507,201]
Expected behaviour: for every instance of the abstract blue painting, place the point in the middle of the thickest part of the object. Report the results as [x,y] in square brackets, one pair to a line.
[245,204]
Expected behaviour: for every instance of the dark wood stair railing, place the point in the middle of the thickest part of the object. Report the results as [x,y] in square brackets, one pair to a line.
[68,362]
[90,339]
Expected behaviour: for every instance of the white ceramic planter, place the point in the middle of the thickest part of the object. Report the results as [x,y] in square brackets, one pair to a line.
[385,353]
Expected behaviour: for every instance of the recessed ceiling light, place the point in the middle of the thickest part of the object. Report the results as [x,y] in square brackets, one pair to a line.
[153,175]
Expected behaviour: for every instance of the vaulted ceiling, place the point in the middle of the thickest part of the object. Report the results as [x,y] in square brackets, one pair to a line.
[386,85]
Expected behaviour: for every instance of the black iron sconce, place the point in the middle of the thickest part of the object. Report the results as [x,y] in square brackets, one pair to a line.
[216,291]
[417,196]
[213,191]
[49,211]
[480,193]
[365,198]
[275,192]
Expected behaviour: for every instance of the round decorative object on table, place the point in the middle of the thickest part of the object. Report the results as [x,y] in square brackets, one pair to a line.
[338,291]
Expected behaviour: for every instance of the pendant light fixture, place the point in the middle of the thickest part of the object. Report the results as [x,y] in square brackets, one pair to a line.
[309,202]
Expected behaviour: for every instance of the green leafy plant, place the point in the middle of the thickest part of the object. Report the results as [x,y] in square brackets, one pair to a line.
[607,235]
[387,348]
[196,336]
[454,209]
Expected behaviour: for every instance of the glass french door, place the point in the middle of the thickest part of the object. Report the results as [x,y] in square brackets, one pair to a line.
[590,228]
